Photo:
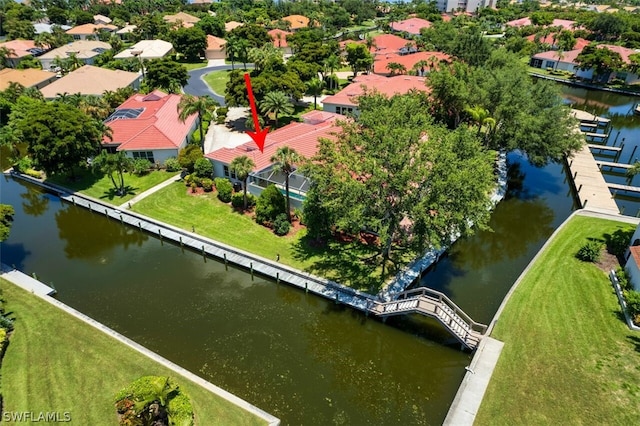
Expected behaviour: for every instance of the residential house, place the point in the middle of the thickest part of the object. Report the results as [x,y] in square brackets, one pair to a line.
[385,44]
[566,61]
[232,25]
[523,22]
[346,100]
[279,38]
[215,48]
[90,31]
[127,31]
[181,19]
[101,19]
[301,136]
[90,80]
[147,126]
[20,49]
[410,62]
[29,77]
[41,27]
[296,22]
[85,50]
[146,49]
[410,26]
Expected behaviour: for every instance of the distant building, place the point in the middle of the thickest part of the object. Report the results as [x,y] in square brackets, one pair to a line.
[296,22]
[215,48]
[20,49]
[90,80]
[147,49]
[523,22]
[29,77]
[466,5]
[181,19]
[410,26]
[101,19]
[428,61]
[41,28]
[346,100]
[90,31]
[232,25]
[279,38]
[85,50]
[147,126]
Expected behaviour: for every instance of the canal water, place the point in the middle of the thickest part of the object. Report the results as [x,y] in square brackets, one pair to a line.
[297,356]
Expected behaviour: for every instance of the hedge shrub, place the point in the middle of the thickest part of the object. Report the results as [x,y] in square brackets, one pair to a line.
[237,200]
[270,204]
[281,225]
[590,252]
[203,168]
[224,188]
[172,164]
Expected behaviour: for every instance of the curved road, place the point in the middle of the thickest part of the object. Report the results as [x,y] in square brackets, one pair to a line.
[197,87]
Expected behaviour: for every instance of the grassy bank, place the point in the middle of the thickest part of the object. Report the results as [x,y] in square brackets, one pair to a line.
[568,358]
[56,362]
[100,186]
[217,80]
[213,219]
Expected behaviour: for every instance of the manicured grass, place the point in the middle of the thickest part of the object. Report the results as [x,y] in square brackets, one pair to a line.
[55,362]
[194,65]
[568,357]
[217,80]
[211,218]
[100,186]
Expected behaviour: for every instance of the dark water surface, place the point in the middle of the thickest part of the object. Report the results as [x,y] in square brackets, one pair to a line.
[299,357]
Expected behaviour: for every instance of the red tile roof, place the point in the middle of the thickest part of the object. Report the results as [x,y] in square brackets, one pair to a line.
[20,48]
[411,25]
[279,37]
[635,253]
[157,127]
[388,43]
[568,56]
[381,62]
[303,137]
[622,51]
[388,86]
[523,22]
[215,43]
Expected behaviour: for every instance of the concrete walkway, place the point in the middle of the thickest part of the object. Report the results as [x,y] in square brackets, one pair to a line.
[149,191]
[26,282]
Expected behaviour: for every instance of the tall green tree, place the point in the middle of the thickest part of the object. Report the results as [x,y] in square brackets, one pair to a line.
[166,74]
[276,103]
[59,136]
[202,105]
[242,166]
[393,172]
[602,60]
[285,159]
[190,42]
[358,57]
[114,166]
[314,88]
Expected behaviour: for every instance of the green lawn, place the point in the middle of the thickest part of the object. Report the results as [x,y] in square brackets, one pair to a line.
[217,80]
[100,186]
[568,357]
[55,362]
[194,65]
[219,221]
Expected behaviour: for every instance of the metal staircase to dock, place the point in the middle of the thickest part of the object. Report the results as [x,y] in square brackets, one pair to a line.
[432,303]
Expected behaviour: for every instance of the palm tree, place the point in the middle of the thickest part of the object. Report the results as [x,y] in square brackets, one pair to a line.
[74,62]
[276,103]
[370,42]
[231,48]
[314,88]
[396,68]
[200,105]
[5,54]
[331,64]
[242,166]
[420,67]
[45,40]
[284,160]
[480,116]
[95,106]
[114,166]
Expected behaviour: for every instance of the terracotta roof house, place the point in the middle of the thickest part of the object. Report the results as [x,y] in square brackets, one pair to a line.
[346,100]
[146,49]
[181,19]
[147,126]
[231,25]
[29,77]
[566,61]
[89,31]
[303,137]
[381,63]
[279,38]
[523,22]
[215,48]
[85,50]
[388,43]
[90,80]
[20,49]
[411,26]
[297,21]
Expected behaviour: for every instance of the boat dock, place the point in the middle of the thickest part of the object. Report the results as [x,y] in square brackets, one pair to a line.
[593,191]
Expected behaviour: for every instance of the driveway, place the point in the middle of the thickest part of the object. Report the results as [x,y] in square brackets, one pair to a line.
[197,87]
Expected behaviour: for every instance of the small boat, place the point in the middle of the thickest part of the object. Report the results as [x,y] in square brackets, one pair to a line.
[636,109]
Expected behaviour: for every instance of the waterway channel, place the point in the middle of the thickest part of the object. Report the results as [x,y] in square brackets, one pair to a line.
[297,356]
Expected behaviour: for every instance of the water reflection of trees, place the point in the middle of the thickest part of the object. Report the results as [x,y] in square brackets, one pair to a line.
[35,202]
[88,235]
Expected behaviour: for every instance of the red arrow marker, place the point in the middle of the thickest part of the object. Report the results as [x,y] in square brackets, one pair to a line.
[258,136]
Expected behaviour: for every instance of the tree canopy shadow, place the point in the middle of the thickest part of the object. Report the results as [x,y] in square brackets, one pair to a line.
[635,340]
[113,192]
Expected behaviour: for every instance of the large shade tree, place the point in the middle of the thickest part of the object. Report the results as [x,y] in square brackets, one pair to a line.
[394,173]
[166,74]
[59,136]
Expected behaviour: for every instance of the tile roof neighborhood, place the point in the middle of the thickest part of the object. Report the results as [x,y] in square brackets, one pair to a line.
[90,80]
[156,127]
[84,49]
[303,137]
[388,86]
[21,48]
[409,61]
